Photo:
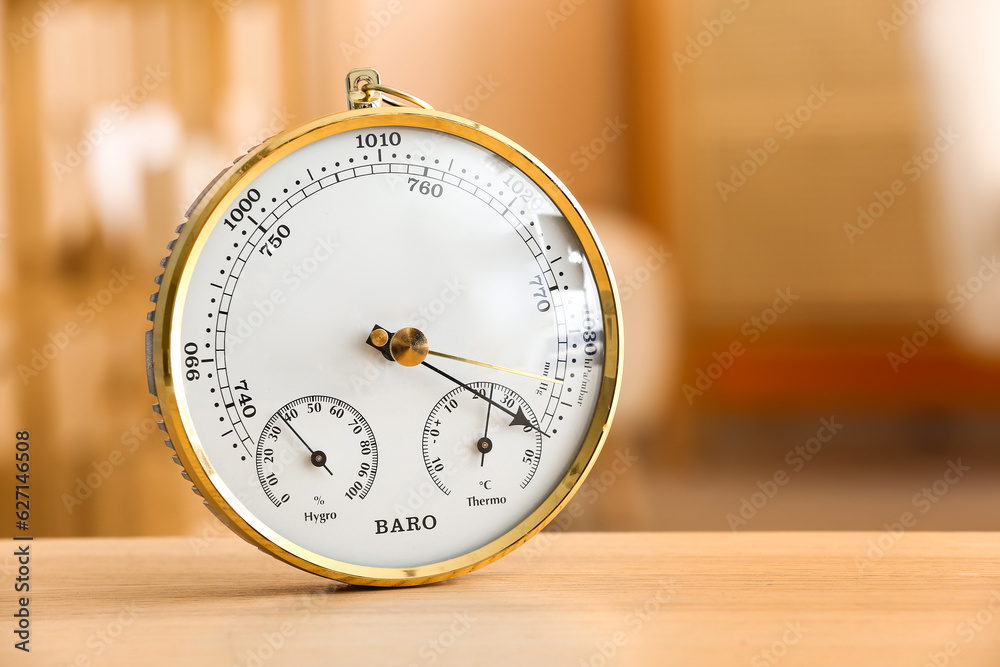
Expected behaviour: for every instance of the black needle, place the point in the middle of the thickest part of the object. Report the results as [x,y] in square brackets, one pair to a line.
[317,458]
[412,350]
[520,419]
[485,444]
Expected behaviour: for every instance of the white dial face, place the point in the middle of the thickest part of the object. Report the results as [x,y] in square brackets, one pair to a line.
[316,434]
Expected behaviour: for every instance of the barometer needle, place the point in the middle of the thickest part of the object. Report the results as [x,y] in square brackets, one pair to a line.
[317,457]
[408,347]
[519,419]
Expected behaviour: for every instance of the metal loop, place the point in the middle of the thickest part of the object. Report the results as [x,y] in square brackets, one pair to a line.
[368,88]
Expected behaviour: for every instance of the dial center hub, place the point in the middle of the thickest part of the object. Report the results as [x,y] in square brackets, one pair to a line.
[409,346]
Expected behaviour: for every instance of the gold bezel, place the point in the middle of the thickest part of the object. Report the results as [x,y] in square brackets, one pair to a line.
[169,310]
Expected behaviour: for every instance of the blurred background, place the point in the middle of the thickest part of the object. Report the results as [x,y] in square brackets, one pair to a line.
[801,202]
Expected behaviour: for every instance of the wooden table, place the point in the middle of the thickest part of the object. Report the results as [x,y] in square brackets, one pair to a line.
[591,599]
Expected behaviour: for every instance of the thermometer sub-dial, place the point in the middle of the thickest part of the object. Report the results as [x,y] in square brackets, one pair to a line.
[472,447]
[315,449]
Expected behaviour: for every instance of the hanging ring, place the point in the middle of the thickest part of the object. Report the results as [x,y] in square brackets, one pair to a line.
[369,88]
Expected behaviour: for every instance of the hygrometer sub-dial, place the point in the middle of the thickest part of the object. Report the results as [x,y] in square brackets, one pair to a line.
[316,450]
[477,451]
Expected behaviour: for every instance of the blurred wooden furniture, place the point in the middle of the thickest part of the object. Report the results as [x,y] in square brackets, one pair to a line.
[811,599]
[711,92]
[757,180]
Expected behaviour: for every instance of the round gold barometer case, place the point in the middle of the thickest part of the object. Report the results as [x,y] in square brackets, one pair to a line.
[386,344]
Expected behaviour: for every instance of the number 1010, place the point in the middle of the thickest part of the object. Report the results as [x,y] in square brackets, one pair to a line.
[373,140]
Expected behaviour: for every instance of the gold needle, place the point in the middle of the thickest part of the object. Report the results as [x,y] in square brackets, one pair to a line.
[494,366]
[408,347]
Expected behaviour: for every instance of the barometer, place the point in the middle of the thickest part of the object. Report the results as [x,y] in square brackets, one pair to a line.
[386,344]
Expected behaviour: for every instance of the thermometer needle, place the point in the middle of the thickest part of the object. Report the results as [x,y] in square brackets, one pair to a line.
[485,445]
[316,457]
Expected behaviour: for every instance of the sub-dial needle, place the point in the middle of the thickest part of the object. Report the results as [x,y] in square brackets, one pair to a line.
[316,456]
[485,445]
